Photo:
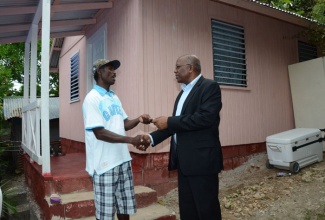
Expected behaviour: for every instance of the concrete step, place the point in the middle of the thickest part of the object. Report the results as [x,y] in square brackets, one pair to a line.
[81,204]
[23,212]
[73,205]
[144,196]
[17,195]
[64,185]
[81,181]
[152,212]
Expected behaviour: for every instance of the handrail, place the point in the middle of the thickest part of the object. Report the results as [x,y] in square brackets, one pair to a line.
[31,131]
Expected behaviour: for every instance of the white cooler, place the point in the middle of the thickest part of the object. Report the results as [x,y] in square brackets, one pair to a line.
[294,149]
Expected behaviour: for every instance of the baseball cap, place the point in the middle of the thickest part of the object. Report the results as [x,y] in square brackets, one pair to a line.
[102,62]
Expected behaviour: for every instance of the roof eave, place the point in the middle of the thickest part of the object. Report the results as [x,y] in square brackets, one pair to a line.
[268,11]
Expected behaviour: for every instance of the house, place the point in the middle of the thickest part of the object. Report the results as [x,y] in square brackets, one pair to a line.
[245,45]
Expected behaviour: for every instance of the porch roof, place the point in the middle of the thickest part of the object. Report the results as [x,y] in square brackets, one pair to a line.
[73,17]
[68,17]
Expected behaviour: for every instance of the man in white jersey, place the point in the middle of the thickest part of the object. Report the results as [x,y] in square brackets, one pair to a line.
[108,160]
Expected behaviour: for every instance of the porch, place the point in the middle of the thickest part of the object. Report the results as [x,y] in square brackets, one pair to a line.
[70,180]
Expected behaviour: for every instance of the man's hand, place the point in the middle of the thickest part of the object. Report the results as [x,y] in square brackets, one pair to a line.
[160,122]
[141,142]
[147,139]
[145,119]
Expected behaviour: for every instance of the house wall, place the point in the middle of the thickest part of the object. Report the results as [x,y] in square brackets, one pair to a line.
[124,40]
[265,107]
[155,33]
[173,28]
[71,122]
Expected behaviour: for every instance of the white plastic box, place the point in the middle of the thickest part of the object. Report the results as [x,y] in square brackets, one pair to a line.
[294,149]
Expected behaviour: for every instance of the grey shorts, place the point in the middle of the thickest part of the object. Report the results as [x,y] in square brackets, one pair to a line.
[114,192]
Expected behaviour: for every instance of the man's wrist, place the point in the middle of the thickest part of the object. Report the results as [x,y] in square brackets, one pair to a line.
[151,139]
[129,140]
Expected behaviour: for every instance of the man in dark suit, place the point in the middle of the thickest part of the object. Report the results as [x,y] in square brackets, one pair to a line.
[195,147]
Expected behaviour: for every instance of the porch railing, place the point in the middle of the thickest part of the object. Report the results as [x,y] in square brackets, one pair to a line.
[31,131]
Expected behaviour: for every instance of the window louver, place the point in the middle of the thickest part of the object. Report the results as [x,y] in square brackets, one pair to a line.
[74,78]
[229,54]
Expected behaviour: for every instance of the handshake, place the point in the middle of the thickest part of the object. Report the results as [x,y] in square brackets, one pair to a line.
[142,142]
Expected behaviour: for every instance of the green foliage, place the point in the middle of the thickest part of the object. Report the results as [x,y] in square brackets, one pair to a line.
[5,86]
[12,70]
[4,154]
[313,9]
[54,84]
[301,7]
[316,33]
[12,59]
[318,11]
[8,205]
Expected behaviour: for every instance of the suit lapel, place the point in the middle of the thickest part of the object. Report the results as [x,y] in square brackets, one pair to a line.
[176,101]
[193,91]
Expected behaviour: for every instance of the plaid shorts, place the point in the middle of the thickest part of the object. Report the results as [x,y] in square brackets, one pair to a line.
[114,192]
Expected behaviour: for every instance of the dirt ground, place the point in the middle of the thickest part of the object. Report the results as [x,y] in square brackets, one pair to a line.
[254,192]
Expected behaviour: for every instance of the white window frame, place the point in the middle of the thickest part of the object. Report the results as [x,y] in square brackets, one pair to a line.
[96,49]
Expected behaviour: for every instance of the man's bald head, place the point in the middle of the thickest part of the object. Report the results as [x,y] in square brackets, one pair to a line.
[193,60]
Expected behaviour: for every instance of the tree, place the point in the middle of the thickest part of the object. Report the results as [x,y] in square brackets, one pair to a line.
[12,70]
[318,11]
[12,67]
[301,7]
[313,9]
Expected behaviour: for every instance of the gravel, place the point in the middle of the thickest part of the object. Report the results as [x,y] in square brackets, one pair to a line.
[254,192]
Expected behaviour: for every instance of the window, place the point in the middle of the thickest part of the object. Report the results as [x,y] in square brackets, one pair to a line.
[74,78]
[306,51]
[229,54]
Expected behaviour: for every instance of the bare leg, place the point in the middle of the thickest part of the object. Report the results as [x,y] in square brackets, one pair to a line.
[123,217]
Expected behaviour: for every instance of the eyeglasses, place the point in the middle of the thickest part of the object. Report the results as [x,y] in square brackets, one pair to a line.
[177,67]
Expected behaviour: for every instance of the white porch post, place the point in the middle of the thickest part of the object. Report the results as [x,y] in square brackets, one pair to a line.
[46,11]
[33,79]
[26,73]
[33,63]
[26,92]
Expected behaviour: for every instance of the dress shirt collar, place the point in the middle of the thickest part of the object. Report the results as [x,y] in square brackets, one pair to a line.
[191,84]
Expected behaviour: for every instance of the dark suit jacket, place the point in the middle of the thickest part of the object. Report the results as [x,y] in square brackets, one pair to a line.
[198,147]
